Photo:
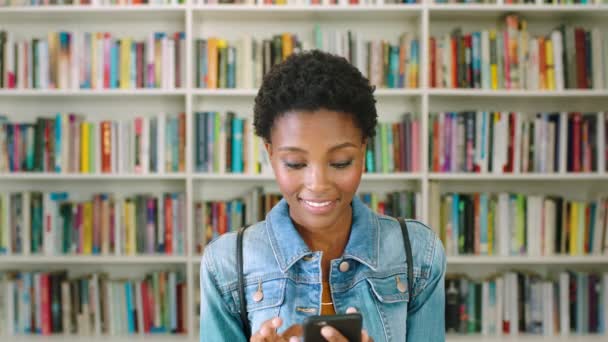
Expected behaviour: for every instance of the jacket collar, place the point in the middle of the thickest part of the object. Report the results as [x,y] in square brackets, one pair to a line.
[288,247]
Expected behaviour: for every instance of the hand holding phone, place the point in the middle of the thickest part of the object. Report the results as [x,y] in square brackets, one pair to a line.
[346,327]
[268,332]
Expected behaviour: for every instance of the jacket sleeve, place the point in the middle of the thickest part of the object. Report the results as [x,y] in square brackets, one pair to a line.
[426,315]
[217,322]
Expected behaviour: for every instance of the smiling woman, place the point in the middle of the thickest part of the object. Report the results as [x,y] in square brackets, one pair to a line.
[318,158]
[321,250]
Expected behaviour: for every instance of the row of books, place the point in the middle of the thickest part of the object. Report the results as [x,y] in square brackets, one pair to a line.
[303,2]
[465,1]
[219,217]
[517,224]
[60,223]
[226,143]
[92,60]
[406,204]
[512,58]
[554,2]
[510,142]
[45,303]
[395,147]
[275,2]
[32,3]
[517,2]
[243,63]
[524,302]
[69,143]
[480,141]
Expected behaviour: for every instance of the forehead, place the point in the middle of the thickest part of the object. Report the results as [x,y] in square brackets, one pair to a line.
[320,126]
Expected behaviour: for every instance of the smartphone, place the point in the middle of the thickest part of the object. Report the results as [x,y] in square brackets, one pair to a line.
[349,325]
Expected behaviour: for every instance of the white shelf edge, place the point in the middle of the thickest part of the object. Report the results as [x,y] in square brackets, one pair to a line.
[308,8]
[223,92]
[517,93]
[528,260]
[93,8]
[524,337]
[92,92]
[515,8]
[253,92]
[432,7]
[232,176]
[393,176]
[92,259]
[100,338]
[518,176]
[186,338]
[97,176]
[270,177]
[508,260]
[399,92]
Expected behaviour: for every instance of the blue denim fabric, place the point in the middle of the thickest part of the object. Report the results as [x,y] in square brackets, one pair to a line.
[289,273]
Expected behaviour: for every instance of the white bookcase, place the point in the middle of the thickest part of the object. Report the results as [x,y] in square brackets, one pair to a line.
[229,21]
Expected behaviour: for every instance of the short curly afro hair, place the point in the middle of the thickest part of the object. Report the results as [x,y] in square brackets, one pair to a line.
[310,81]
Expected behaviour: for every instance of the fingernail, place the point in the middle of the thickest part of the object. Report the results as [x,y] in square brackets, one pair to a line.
[327,332]
[276,322]
[294,339]
[264,331]
[351,310]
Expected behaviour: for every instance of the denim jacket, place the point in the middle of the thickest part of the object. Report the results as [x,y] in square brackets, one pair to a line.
[371,276]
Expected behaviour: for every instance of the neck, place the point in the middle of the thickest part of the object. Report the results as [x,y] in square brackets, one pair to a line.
[331,241]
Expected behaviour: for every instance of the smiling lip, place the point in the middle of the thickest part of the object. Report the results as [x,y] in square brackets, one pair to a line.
[318,207]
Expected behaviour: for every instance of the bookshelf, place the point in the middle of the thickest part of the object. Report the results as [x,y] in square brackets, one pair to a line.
[197,21]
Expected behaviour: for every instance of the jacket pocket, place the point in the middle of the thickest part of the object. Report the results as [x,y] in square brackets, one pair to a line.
[264,294]
[391,297]
[391,289]
[264,299]
[261,294]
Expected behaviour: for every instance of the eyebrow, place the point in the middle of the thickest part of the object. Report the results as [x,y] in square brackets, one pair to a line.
[333,148]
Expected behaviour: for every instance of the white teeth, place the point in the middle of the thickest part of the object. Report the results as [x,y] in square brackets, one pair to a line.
[318,204]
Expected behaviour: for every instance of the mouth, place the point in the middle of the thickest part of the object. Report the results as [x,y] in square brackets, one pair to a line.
[318,207]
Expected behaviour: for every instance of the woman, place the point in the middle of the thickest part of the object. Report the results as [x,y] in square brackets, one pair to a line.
[321,250]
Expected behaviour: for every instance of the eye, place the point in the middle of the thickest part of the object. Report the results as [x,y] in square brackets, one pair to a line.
[342,165]
[294,166]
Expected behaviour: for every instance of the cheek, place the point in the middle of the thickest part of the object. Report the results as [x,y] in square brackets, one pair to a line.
[288,182]
[348,181]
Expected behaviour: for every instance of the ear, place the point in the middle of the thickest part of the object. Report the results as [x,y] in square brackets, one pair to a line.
[268,147]
[363,151]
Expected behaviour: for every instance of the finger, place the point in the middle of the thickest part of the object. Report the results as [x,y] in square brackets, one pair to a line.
[351,310]
[332,335]
[293,331]
[365,337]
[269,328]
[257,338]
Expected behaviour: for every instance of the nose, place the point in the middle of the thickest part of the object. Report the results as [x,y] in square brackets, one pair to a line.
[317,180]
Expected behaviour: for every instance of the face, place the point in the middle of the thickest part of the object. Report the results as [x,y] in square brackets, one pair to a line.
[318,160]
